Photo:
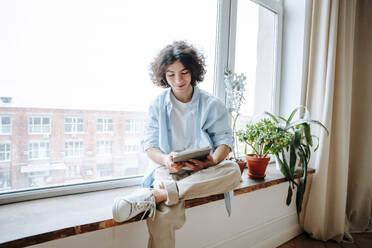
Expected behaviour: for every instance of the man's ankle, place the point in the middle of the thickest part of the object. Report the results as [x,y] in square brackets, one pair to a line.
[160,195]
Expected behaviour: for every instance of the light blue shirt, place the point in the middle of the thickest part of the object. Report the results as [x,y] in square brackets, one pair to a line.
[212,125]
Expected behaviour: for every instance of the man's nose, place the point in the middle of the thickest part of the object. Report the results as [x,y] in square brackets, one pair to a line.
[179,78]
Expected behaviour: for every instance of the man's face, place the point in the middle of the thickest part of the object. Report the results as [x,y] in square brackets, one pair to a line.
[179,78]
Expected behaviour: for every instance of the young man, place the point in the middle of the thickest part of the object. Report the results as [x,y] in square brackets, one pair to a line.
[183,117]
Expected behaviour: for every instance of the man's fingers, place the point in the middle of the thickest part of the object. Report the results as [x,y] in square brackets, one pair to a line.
[193,167]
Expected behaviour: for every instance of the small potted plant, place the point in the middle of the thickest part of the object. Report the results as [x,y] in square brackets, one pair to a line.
[235,88]
[264,137]
[298,151]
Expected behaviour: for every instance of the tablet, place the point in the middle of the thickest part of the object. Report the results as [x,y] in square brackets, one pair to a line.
[199,154]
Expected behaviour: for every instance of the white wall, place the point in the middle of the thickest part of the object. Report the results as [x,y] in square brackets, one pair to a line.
[259,219]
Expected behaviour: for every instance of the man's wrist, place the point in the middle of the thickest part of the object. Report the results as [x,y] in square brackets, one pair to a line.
[165,160]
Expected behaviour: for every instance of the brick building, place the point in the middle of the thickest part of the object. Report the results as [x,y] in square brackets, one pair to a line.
[42,147]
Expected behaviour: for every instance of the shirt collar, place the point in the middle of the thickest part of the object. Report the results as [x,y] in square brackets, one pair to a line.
[194,99]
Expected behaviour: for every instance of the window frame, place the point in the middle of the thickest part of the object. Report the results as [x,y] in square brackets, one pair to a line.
[5,152]
[74,125]
[39,142]
[74,149]
[106,149]
[105,125]
[2,126]
[227,13]
[41,132]
[224,57]
[133,129]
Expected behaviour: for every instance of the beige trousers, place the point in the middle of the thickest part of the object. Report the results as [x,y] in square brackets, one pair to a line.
[182,186]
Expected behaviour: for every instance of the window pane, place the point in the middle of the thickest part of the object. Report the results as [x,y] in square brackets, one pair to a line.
[255,57]
[5,120]
[45,121]
[37,120]
[5,179]
[5,125]
[93,69]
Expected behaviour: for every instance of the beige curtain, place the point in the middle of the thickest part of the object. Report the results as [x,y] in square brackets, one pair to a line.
[359,197]
[328,95]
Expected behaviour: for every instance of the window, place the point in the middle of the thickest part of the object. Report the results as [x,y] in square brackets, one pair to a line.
[38,125]
[105,125]
[104,147]
[132,145]
[38,150]
[74,125]
[131,148]
[104,170]
[5,125]
[130,126]
[255,55]
[92,75]
[73,171]
[4,179]
[74,148]
[4,152]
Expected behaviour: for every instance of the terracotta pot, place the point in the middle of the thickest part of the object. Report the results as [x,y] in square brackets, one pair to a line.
[242,165]
[257,166]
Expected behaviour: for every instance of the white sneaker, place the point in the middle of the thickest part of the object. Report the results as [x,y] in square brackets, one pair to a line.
[126,207]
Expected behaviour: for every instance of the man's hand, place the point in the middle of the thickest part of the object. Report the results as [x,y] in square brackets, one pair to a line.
[172,166]
[197,165]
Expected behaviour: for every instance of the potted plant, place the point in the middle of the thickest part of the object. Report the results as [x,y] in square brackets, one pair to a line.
[298,151]
[264,137]
[235,88]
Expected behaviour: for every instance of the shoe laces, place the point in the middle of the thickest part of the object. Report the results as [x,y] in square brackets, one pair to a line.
[146,206]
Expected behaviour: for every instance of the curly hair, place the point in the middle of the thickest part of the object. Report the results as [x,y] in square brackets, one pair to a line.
[191,58]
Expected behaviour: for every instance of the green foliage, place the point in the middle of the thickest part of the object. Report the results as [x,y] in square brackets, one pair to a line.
[299,150]
[235,88]
[265,137]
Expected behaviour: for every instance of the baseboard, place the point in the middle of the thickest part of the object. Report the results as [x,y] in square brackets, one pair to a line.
[267,235]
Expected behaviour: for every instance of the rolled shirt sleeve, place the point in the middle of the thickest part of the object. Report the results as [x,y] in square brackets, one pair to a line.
[217,124]
[151,130]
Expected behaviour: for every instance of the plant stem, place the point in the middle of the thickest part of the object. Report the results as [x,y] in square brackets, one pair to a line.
[253,149]
[236,148]
[266,154]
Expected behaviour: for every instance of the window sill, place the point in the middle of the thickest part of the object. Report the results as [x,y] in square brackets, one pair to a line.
[88,212]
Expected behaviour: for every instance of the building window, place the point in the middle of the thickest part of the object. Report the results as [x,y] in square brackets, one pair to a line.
[74,148]
[5,179]
[73,171]
[38,150]
[74,125]
[38,125]
[104,147]
[5,125]
[104,170]
[5,152]
[130,126]
[133,126]
[131,148]
[105,125]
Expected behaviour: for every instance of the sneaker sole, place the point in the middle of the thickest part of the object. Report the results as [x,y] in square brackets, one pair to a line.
[115,211]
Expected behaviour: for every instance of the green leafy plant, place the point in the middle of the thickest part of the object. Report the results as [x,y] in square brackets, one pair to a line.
[235,88]
[299,149]
[265,137]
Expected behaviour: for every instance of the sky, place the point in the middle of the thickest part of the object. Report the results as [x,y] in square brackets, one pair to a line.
[95,54]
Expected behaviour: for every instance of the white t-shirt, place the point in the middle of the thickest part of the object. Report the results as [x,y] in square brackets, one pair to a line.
[182,124]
